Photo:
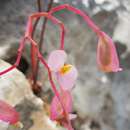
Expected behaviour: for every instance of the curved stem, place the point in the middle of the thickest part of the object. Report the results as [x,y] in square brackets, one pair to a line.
[20,50]
[87,19]
[52,18]
[49,74]
[29,33]
[7,70]
[54,89]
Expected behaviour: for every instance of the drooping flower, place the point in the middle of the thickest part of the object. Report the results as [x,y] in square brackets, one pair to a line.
[66,74]
[8,113]
[107,57]
[57,112]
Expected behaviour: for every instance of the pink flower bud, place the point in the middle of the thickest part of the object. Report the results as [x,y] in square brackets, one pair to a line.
[107,58]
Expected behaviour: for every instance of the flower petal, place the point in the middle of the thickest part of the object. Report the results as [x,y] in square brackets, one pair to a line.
[107,58]
[8,113]
[68,79]
[57,59]
[56,109]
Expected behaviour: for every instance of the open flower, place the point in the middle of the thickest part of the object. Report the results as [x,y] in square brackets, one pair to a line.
[66,74]
[57,112]
[8,113]
[107,58]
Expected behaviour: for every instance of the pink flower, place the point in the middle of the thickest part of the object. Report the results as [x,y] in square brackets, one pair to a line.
[65,74]
[57,112]
[8,113]
[107,58]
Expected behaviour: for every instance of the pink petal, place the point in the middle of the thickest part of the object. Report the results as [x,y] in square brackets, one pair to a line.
[57,59]
[67,80]
[8,113]
[107,58]
[56,109]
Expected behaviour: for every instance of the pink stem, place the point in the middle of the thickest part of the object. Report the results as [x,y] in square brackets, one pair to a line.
[49,74]
[7,70]
[30,28]
[50,77]
[52,82]
[79,12]
[20,50]
[55,90]
[28,34]
[52,18]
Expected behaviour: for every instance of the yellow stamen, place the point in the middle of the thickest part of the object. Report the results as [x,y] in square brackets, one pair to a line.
[65,69]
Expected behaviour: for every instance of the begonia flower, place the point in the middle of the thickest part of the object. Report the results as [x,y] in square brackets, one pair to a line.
[66,74]
[8,113]
[107,57]
[57,112]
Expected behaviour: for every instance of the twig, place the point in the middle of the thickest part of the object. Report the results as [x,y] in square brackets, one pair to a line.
[41,42]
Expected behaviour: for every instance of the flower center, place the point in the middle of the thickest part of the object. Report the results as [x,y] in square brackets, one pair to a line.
[65,69]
